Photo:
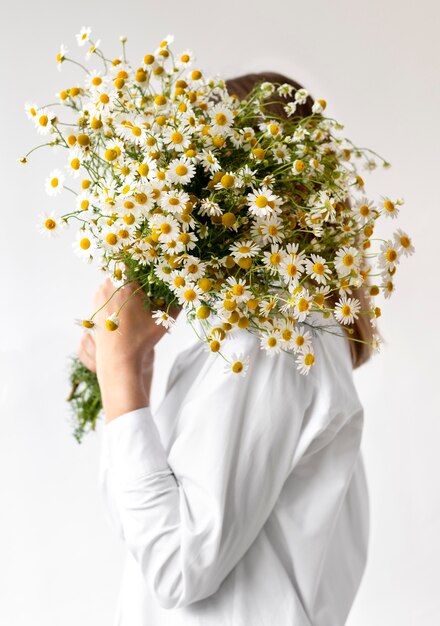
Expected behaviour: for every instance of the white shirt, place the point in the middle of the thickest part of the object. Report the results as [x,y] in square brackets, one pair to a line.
[242,500]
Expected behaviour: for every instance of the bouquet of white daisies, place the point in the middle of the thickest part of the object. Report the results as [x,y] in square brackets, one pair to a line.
[244,218]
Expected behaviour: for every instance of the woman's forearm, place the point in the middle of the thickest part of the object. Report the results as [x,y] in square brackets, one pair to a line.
[124,389]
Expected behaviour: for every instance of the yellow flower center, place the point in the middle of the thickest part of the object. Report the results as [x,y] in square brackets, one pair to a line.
[111,238]
[215,345]
[292,269]
[176,137]
[272,342]
[221,119]
[303,304]
[165,228]
[237,367]
[348,260]
[391,255]
[137,132]
[43,120]
[96,80]
[104,98]
[227,181]
[129,218]
[75,164]
[238,290]
[189,295]
[84,243]
[309,359]
[244,249]
[346,310]
[50,224]
[54,182]
[275,258]
[299,166]
[300,341]
[181,170]
[261,202]
[318,268]
[110,325]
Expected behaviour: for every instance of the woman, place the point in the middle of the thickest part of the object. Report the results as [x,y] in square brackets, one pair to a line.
[242,500]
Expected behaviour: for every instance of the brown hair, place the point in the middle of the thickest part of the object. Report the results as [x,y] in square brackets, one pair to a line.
[361,328]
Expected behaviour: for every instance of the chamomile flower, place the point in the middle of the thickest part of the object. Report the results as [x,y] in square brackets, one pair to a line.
[291,267]
[83,36]
[346,260]
[180,171]
[403,242]
[61,56]
[285,89]
[87,325]
[50,224]
[221,119]
[209,161]
[271,341]
[390,208]
[262,201]
[280,153]
[209,207]
[303,302]
[238,364]
[44,120]
[184,59]
[174,201]
[364,210]
[301,339]
[166,226]
[31,110]
[272,128]
[389,255]
[93,48]
[190,295]
[54,183]
[346,310]
[112,322]
[244,249]
[273,259]
[84,245]
[162,318]
[301,96]
[95,81]
[318,269]
[239,289]
[271,229]
[176,138]
[287,328]
[116,270]
[109,238]
[305,360]
[387,285]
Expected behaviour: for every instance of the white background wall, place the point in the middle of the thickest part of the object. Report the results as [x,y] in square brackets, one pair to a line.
[377,64]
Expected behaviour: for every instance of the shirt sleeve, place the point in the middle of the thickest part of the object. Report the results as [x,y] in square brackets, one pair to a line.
[188,517]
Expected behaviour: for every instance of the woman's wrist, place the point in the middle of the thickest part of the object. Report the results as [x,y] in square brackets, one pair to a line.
[124,389]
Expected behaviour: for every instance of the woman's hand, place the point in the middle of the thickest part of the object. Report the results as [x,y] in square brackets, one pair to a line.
[86,352]
[124,357]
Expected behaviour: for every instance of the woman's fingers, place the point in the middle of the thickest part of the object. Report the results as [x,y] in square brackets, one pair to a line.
[86,352]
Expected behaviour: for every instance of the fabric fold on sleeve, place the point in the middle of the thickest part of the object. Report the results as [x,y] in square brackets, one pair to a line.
[133,446]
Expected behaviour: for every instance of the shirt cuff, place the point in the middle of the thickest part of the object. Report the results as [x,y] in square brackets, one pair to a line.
[133,445]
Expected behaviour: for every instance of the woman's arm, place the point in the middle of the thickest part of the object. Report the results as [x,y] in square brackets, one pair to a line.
[123,358]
